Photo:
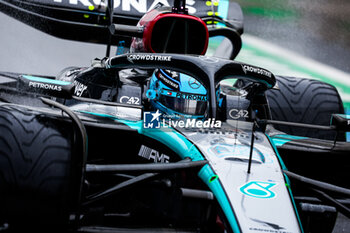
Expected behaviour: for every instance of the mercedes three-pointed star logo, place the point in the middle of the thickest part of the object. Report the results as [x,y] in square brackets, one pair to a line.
[193,83]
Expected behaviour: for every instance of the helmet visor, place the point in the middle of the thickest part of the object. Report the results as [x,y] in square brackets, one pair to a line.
[185,104]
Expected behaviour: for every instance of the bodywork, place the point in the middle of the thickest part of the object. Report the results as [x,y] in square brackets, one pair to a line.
[244,163]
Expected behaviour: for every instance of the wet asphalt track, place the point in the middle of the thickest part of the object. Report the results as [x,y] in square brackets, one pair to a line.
[318,29]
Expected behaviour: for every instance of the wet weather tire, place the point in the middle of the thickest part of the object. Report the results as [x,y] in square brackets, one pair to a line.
[304,101]
[35,168]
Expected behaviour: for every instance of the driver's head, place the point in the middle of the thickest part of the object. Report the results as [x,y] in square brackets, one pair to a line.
[165,31]
[177,94]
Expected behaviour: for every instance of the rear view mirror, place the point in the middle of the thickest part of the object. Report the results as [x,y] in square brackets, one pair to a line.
[341,122]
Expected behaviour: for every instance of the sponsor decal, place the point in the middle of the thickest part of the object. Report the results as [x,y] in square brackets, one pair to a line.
[182,95]
[194,83]
[141,6]
[236,114]
[46,86]
[79,88]
[129,100]
[151,154]
[221,151]
[153,120]
[196,97]
[147,57]
[252,69]
[167,81]
[268,230]
[258,189]
[237,153]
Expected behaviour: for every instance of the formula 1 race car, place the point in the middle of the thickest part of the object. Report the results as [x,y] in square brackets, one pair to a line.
[164,138]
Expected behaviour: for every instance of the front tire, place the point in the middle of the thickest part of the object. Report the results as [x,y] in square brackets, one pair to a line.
[35,168]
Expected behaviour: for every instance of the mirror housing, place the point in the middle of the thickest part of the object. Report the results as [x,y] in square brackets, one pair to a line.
[341,122]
